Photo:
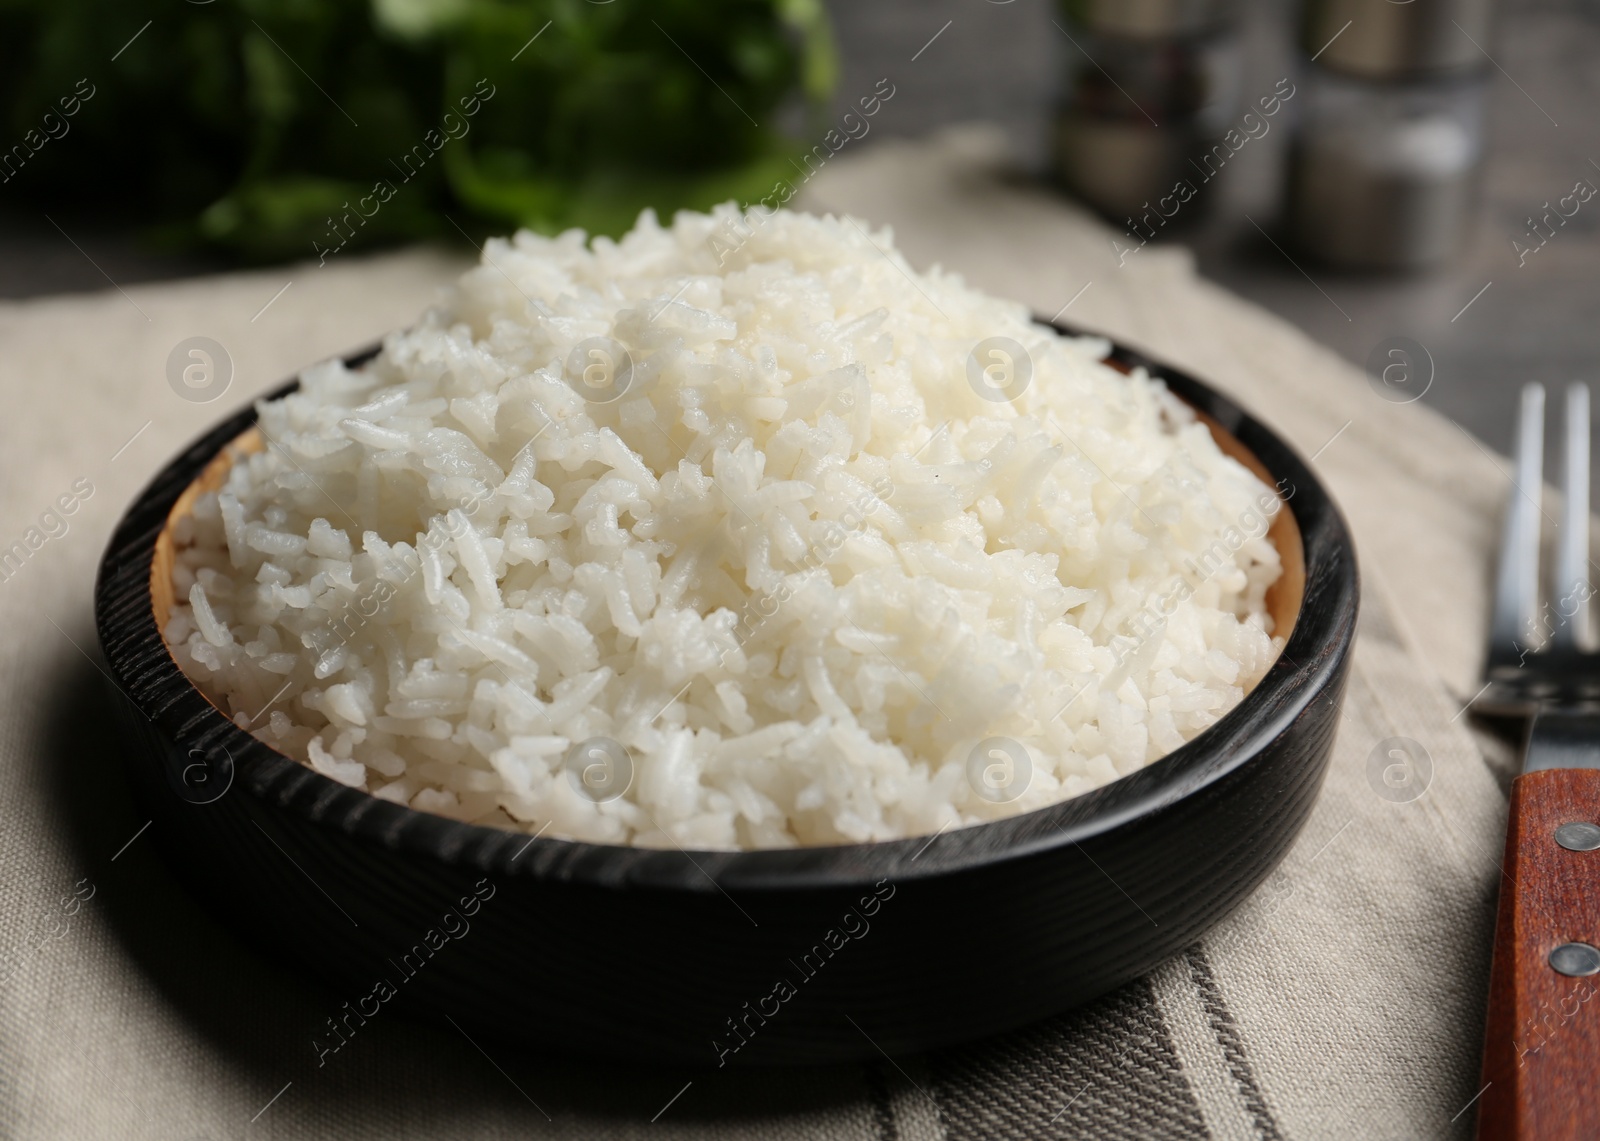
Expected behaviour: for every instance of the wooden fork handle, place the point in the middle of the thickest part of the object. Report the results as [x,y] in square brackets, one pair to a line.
[1541,1057]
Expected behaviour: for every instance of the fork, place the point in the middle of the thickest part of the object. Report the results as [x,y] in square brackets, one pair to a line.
[1541,1056]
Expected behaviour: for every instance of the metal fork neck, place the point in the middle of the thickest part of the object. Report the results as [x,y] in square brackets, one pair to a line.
[1563,739]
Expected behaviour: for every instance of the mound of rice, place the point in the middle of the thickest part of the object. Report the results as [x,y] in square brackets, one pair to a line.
[784,555]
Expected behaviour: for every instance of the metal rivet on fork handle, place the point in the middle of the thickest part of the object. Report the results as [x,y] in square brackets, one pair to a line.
[1575,959]
[1580,836]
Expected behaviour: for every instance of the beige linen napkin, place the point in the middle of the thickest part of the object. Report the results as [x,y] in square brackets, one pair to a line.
[1343,1000]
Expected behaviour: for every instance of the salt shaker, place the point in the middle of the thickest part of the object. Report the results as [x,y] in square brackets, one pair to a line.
[1384,167]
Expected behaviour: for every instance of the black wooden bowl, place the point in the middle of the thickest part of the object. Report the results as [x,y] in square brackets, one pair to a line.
[770,957]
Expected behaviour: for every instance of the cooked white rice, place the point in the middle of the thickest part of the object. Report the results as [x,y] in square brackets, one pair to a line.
[799,570]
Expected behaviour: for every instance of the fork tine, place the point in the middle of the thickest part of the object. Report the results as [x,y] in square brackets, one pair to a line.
[1572,554]
[1516,596]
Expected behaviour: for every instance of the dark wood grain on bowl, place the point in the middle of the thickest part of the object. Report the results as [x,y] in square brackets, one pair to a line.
[768,957]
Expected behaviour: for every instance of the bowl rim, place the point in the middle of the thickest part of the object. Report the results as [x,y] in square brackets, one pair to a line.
[1301,675]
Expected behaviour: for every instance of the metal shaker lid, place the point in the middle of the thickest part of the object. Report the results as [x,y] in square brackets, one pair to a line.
[1397,39]
[1150,18]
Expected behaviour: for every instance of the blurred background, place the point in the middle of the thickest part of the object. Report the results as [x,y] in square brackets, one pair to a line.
[1406,181]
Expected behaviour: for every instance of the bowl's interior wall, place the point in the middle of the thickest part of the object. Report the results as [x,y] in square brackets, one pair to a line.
[213,476]
[1285,596]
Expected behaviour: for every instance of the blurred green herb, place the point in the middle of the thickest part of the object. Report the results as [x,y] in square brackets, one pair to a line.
[278,128]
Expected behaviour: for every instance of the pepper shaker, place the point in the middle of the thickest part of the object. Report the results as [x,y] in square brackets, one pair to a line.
[1150,86]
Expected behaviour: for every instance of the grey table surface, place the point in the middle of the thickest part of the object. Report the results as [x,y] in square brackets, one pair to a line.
[1001,60]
